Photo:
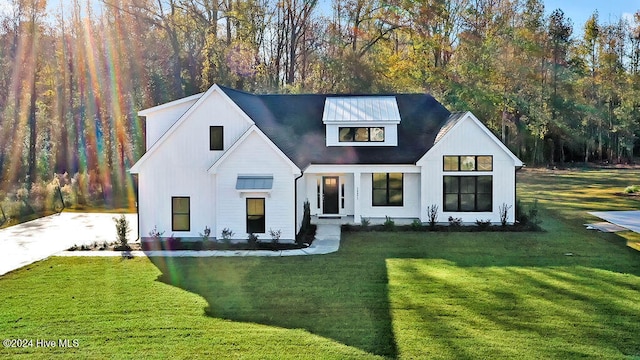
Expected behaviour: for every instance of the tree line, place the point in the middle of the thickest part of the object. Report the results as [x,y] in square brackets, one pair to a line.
[72,78]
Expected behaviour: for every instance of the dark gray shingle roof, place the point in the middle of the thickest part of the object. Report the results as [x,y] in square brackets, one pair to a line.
[294,124]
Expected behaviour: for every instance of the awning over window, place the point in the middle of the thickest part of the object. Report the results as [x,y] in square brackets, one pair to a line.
[254,183]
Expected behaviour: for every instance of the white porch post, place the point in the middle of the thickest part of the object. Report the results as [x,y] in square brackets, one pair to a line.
[356,197]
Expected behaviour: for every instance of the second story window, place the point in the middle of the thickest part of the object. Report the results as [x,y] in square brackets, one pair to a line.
[468,163]
[361,134]
[216,138]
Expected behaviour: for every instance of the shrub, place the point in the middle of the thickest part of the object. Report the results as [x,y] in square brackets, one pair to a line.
[483,224]
[533,214]
[432,215]
[226,234]
[173,243]
[275,235]
[504,213]
[521,215]
[155,234]
[416,225]
[253,240]
[632,189]
[206,234]
[122,231]
[389,224]
[364,222]
[455,222]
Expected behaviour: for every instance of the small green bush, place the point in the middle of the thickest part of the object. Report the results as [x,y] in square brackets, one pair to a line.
[455,222]
[483,224]
[365,222]
[632,189]
[122,231]
[416,225]
[389,224]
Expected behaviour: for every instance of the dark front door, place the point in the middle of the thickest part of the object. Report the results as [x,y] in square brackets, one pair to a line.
[330,194]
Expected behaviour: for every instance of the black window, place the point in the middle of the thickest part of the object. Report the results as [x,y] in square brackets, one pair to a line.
[361,134]
[216,138]
[468,163]
[387,189]
[468,193]
[180,214]
[255,216]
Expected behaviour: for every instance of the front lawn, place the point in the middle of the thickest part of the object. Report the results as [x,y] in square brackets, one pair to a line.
[564,293]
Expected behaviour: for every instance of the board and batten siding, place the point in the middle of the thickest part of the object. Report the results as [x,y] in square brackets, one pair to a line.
[468,138]
[159,119]
[254,156]
[410,198]
[179,168]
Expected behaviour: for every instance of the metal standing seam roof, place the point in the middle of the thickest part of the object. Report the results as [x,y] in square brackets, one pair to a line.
[254,182]
[361,108]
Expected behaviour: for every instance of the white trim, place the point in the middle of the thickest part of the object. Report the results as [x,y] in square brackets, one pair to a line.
[361,168]
[164,106]
[253,129]
[215,88]
[468,115]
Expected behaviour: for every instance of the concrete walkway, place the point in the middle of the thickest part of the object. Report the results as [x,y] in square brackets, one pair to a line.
[26,243]
[327,241]
[35,240]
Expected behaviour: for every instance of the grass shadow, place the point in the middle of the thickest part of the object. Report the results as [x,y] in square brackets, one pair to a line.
[345,296]
[331,296]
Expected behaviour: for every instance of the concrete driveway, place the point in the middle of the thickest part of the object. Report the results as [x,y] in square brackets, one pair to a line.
[35,240]
[627,219]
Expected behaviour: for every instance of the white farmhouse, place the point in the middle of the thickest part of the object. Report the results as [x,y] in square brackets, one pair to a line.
[246,162]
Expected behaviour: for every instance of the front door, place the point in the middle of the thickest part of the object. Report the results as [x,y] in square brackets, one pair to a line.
[330,194]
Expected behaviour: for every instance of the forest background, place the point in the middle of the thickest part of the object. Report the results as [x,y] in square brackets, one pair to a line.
[73,79]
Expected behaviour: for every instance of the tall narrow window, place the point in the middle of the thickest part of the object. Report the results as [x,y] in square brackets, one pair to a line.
[180,214]
[318,193]
[216,138]
[255,216]
[387,189]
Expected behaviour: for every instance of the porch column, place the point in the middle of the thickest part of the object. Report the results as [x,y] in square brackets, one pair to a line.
[356,197]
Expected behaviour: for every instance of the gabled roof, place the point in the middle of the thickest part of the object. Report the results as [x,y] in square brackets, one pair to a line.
[457,118]
[294,124]
[200,98]
[253,129]
[170,104]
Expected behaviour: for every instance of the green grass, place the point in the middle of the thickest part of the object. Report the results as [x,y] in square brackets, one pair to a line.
[393,295]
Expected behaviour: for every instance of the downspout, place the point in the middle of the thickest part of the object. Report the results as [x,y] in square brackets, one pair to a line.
[135,183]
[515,191]
[295,201]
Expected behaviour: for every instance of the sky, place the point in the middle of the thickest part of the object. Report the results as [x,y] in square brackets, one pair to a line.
[579,11]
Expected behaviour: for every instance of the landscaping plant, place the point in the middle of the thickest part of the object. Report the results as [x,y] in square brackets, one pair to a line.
[432,215]
[122,231]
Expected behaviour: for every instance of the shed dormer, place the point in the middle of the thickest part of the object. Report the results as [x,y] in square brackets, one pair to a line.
[361,121]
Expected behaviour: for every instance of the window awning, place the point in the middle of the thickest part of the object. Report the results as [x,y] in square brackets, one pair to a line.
[254,183]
